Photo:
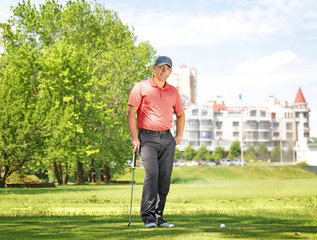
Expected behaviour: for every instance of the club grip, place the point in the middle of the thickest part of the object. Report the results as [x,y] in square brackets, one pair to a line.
[134,160]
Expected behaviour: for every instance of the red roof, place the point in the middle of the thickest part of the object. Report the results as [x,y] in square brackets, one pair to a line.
[219,107]
[300,97]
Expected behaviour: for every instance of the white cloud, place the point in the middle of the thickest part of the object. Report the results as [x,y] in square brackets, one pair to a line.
[268,64]
[253,21]
[259,77]
[202,30]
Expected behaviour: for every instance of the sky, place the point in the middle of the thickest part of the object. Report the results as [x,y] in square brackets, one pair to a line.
[257,48]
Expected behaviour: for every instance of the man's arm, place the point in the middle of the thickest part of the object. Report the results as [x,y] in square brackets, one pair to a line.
[131,120]
[180,124]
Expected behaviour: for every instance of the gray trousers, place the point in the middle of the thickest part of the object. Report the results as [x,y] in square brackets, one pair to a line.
[157,155]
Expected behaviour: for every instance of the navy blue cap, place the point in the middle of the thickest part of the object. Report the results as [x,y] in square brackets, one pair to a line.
[163,60]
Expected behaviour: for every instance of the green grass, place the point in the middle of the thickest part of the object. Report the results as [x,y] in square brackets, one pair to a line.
[206,174]
[280,203]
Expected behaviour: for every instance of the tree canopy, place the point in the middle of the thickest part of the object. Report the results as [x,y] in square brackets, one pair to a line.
[64,84]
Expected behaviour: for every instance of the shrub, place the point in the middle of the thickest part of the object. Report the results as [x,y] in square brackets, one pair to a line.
[18,178]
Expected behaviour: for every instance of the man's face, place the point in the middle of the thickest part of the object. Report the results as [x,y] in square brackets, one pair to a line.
[162,72]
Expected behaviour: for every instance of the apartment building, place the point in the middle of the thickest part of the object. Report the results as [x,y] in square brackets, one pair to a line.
[273,122]
[185,80]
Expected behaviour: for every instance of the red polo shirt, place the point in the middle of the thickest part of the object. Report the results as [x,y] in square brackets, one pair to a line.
[155,105]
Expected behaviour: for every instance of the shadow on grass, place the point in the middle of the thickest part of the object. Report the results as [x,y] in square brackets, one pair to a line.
[202,226]
[64,188]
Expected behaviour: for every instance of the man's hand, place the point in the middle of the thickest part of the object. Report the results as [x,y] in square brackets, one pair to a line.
[177,139]
[135,142]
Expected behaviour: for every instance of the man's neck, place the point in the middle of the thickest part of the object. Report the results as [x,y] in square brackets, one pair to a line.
[158,82]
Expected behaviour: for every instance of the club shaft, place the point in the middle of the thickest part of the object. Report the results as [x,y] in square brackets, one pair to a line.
[133,167]
[131,198]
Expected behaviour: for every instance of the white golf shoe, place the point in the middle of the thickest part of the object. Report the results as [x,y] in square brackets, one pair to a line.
[150,225]
[166,225]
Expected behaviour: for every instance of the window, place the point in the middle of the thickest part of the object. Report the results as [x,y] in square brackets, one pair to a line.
[252,125]
[263,135]
[264,125]
[194,134]
[262,113]
[273,115]
[195,112]
[219,134]
[289,126]
[253,113]
[276,124]
[276,134]
[252,135]
[235,124]
[289,135]
[206,123]
[206,135]
[204,112]
[193,123]
[236,134]
[194,143]
[219,125]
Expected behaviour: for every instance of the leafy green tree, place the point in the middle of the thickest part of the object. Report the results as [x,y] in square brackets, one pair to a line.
[219,153]
[262,152]
[230,156]
[21,112]
[250,152]
[85,64]
[235,150]
[210,157]
[177,155]
[276,153]
[189,153]
[201,153]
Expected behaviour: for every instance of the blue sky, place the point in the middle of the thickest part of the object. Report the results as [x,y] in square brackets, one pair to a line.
[258,48]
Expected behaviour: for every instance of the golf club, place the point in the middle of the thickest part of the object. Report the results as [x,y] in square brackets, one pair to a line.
[133,167]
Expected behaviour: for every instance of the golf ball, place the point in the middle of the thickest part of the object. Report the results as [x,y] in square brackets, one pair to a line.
[222,225]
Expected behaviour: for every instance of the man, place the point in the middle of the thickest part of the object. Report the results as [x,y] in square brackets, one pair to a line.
[154,101]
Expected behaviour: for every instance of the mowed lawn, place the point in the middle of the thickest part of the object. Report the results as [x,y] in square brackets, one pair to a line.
[278,207]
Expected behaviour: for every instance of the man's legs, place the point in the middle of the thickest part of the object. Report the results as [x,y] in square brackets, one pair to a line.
[150,146]
[157,154]
[165,159]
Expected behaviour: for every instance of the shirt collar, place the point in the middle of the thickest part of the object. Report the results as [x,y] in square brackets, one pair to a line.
[166,86]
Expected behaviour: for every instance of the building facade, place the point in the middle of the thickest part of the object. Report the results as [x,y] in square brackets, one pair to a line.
[185,80]
[273,122]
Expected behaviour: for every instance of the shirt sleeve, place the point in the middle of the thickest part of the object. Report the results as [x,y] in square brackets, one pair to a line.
[135,98]
[178,106]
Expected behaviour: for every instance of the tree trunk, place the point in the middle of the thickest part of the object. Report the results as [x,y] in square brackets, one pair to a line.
[2,182]
[92,171]
[58,173]
[66,174]
[106,173]
[80,172]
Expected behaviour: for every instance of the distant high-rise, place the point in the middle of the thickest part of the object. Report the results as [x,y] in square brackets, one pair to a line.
[185,80]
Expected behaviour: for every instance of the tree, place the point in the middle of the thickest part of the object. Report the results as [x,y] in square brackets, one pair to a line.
[201,153]
[219,153]
[262,152]
[178,154]
[189,153]
[250,152]
[21,114]
[86,63]
[276,153]
[235,150]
